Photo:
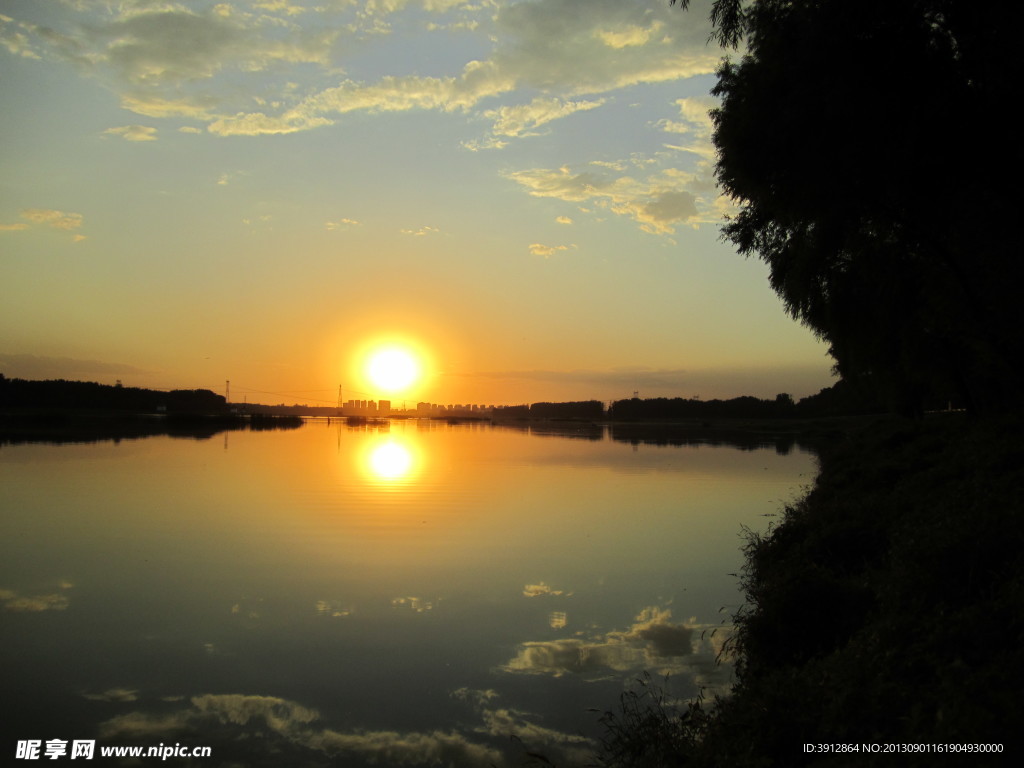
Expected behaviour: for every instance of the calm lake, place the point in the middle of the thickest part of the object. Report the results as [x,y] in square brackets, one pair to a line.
[402,594]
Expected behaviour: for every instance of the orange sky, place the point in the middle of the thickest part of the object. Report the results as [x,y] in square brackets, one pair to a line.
[257,191]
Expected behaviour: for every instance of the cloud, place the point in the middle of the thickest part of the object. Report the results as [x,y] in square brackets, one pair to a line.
[17,227]
[537,590]
[475,696]
[34,603]
[332,609]
[523,119]
[662,638]
[414,604]
[653,641]
[563,220]
[134,132]
[170,45]
[340,224]
[51,218]
[55,601]
[409,748]
[14,39]
[629,35]
[113,694]
[657,203]
[538,249]
[695,123]
[573,655]
[574,749]
[663,210]
[173,60]
[421,232]
[273,724]
[257,124]
[167,59]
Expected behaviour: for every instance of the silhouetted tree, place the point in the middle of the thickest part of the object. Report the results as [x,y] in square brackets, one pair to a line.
[871,149]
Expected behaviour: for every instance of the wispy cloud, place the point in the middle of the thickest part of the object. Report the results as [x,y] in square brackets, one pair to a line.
[658,203]
[539,249]
[421,232]
[53,219]
[113,694]
[133,132]
[541,589]
[47,218]
[524,119]
[21,603]
[340,225]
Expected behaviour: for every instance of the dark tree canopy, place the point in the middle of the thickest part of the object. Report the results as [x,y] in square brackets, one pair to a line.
[870,147]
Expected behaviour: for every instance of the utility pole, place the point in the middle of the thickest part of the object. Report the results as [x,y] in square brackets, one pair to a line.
[227,391]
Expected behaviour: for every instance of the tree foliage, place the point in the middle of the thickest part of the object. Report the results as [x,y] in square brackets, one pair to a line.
[870,147]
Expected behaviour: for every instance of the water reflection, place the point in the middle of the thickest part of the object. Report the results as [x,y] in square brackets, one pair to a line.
[390,461]
[61,428]
[688,650]
[411,593]
[274,731]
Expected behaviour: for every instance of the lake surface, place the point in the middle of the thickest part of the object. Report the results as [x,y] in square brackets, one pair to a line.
[402,594]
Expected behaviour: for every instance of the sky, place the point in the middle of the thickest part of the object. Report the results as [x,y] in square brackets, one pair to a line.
[265,191]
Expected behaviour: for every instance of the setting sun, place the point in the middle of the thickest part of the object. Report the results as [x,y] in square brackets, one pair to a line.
[393,369]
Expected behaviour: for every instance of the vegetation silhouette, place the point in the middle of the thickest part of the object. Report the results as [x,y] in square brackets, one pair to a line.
[885,609]
[60,411]
[836,134]
[62,395]
[841,399]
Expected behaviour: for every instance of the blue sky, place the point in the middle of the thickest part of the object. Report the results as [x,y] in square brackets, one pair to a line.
[261,191]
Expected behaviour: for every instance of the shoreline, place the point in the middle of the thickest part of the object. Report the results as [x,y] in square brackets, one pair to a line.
[885,607]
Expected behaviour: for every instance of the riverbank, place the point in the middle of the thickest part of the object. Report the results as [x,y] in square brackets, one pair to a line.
[886,607]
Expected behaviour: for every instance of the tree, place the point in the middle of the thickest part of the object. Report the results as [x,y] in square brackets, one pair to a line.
[870,148]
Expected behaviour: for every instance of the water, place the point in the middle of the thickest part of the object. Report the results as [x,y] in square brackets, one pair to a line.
[388,595]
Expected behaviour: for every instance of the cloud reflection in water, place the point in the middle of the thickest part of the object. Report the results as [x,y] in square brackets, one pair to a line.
[276,729]
[688,650]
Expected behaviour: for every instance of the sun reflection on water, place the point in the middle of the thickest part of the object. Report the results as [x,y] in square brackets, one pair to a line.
[391,460]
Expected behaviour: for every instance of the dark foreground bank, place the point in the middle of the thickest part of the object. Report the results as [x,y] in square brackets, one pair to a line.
[885,611]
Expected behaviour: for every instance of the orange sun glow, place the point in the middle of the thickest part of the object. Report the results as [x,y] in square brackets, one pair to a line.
[393,369]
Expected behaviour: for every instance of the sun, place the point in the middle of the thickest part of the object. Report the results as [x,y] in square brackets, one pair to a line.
[393,369]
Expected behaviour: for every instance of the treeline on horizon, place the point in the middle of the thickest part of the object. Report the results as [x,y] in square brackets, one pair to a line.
[61,394]
[841,399]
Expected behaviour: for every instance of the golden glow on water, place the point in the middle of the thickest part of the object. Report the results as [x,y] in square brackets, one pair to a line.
[390,461]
